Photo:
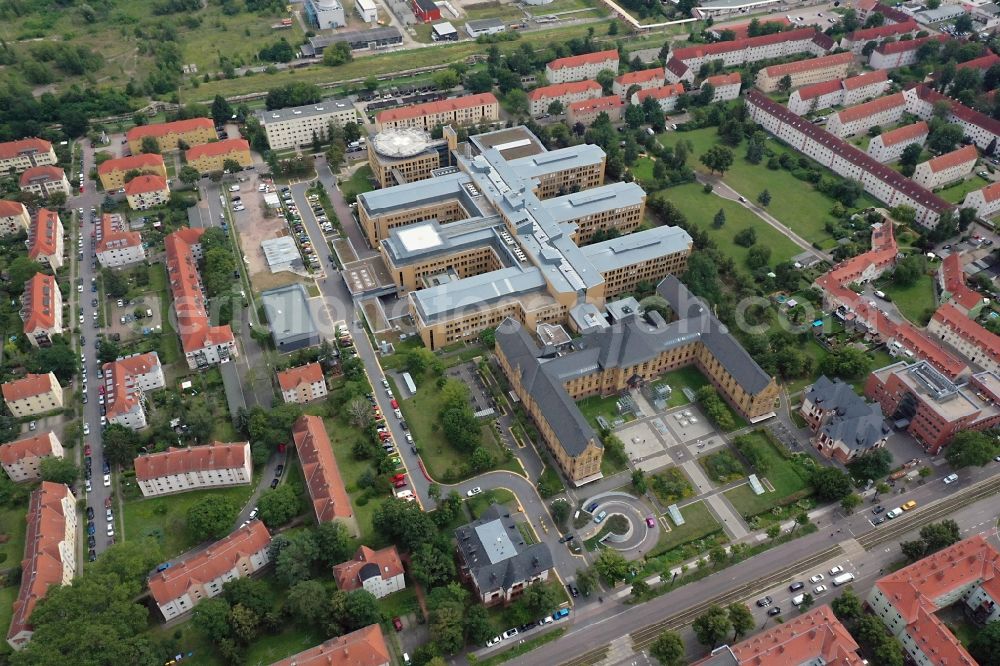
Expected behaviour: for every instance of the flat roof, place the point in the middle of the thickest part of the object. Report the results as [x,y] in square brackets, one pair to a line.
[572,157]
[512,143]
[444,28]
[418,193]
[594,201]
[288,312]
[322,108]
[474,291]
[484,24]
[419,237]
[637,247]
[449,238]
[280,251]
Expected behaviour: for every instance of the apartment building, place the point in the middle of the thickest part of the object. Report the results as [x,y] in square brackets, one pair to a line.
[675,71]
[948,168]
[364,647]
[183,586]
[32,395]
[666,96]
[805,72]
[49,555]
[952,288]
[211,157]
[858,119]
[14,217]
[126,382]
[171,136]
[982,63]
[844,425]
[494,558]
[907,600]
[45,239]
[22,154]
[41,309]
[177,470]
[581,67]
[294,126]
[890,55]
[932,407]
[586,111]
[814,637]
[467,110]
[847,92]
[889,146]
[726,86]
[303,384]
[113,172]
[983,130]
[986,202]
[44,181]
[975,344]
[645,79]
[377,571]
[22,459]
[752,49]
[539,99]
[145,192]
[117,246]
[203,344]
[856,41]
[323,481]
[882,182]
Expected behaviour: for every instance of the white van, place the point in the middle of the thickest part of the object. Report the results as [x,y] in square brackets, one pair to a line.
[404,493]
[797,600]
[843,579]
[880,294]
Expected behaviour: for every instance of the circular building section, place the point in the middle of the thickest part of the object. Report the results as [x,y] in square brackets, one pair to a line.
[401,142]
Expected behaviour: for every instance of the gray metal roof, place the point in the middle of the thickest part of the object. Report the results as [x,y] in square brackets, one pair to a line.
[478,290]
[450,238]
[325,107]
[942,13]
[288,312]
[320,42]
[859,425]
[280,251]
[484,24]
[637,247]
[533,166]
[420,193]
[496,553]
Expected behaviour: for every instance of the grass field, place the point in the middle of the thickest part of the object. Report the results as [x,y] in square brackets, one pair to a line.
[784,476]
[7,597]
[722,467]
[504,12]
[914,301]
[956,193]
[698,523]
[343,435]
[595,406]
[700,209]
[359,182]
[14,527]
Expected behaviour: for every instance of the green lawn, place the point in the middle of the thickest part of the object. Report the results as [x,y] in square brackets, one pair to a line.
[358,183]
[13,526]
[164,518]
[596,405]
[700,209]
[7,597]
[478,504]
[269,649]
[722,467]
[913,301]
[956,193]
[782,474]
[687,377]
[399,603]
[343,435]
[818,354]
[642,170]
[698,523]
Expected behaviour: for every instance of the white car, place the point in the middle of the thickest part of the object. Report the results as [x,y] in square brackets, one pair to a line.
[111,529]
[819,589]
[510,633]
[475,491]
[86,428]
[109,515]
[817,578]
[104,421]
[88,485]
[951,478]
[493,641]
[836,570]
[107,480]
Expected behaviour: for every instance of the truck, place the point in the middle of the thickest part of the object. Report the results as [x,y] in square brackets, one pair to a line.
[843,579]
[893,513]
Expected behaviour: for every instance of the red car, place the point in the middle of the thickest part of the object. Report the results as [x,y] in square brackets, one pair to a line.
[86,449]
[398,477]
[395,405]
[397,624]
[400,484]
[384,436]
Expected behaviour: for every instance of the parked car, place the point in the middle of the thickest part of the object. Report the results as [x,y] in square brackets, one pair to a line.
[774,611]
[796,586]
[475,491]
[764,602]
[510,633]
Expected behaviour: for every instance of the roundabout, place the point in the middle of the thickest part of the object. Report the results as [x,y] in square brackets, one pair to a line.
[624,527]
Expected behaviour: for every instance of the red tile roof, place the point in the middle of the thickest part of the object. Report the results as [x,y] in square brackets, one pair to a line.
[560,89]
[904,133]
[867,109]
[39,445]
[42,565]
[583,59]
[119,379]
[720,80]
[441,106]
[28,386]
[991,192]
[889,48]
[11,149]
[717,48]
[642,76]
[599,104]
[209,564]
[969,330]
[39,302]
[326,487]
[960,111]
[809,64]
[189,301]
[304,374]
[386,565]
[883,31]
[982,62]
[677,68]
[44,173]
[892,14]
[163,129]
[866,79]
[223,147]
[742,30]
[45,231]
[953,159]
[140,162]
[937,642]
[669,90]
[11,208]
[113,237]
[145,183]
[214,456]
[814,637]
[364,647]
[819,89]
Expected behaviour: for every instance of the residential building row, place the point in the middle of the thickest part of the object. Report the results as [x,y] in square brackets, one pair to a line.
[882,182]
[879,112]
[540,99]
[983,130]
[112,173]
[947,168]
[302,384]
[806,72]
[322,474]
[666,96]
[32,395]
[644,79]
[295,126]
[468,110]
[587,111]
[857,40]
[952,288]
[126,382]
[171,136]
[581,67]
[115,245]
[41,309]
[844,425]
[49,555]
[44,181]
[46,239]
[203,344]
[804,41]
[212,157]
[986,202]
[14,217]
[23,154]
[890,55]
[22,459]
[889,146]
[846,92]
[178,589]
[973,342]
[178,470]
[726,86]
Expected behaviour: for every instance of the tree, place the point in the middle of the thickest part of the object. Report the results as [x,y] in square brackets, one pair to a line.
[539,599]
[211,518]
[668,649]
[611,566]
[909,270]
[913,550]
[22,269]
[718,158]
[337,54]
[221,110]
[759,256]
[607,80]
[279,506]
[847,607]
[120,444]
[830,484]
[940,535]
[555,107]
[149,144]
[294,555]
[963,24]
[719,220]
[57,358]
[115,283]
[741,618]
[432,565]
[334,543]
[785,83]
[232,166]
[309,603]
[189,175]
[850,502]
[58,470]
[560,512]
[403,523]
[764,198]
[985,645]
[712,626]
[802,518]
[970,448]
[211,617]
[361,609]
[910,157]
[516,101]
[807,602]
[746,237]
[476,625]
[846,363]
[447,606]
[773,532]
[250,593]
[872,465]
